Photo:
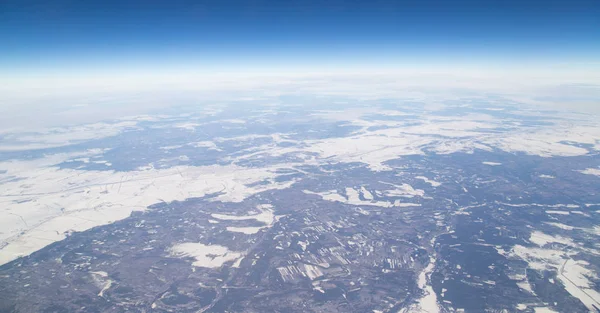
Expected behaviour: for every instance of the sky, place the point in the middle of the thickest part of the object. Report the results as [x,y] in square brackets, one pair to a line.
[67,52]
[39,35]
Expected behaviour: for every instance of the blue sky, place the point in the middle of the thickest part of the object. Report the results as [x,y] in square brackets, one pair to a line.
[39,35]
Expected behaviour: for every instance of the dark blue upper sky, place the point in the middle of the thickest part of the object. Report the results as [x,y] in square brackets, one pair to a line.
[37,34]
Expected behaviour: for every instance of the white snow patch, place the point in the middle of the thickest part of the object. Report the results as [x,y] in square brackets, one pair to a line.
[210,256]
[573,274]
[576,279]
[49,202]
[187,126]
[244,230]
[546,142]
[303,244]
[233,121]
[404,190]
[591,171]
[352,197]
[366,194]
[546,176]
[312,271]
[561,226]
[524,284]
[428,303]
[64,136]
[105,288]
[171,147]
[100,273]
[491,163]
[205,144]
[542,239]
[264,215]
